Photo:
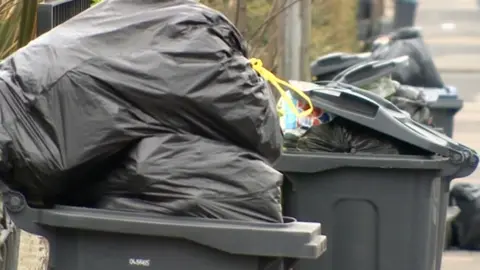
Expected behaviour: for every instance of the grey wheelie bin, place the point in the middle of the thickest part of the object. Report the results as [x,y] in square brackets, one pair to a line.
[93,239]
[444,104]
[369,71]
[326,67]
[379,212]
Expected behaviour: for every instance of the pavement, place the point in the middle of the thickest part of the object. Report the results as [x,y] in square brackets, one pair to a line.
[452,32]
[451,28]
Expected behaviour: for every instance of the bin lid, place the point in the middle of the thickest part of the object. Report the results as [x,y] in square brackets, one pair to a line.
[365,73]
[442,98]
[447,104]
[294,161]
[406,33]
[402,33]
[335,62]
[290,240]
[372,111]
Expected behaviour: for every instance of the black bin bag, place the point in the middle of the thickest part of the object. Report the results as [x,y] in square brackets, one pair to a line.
[421,70]
[466,227]
[412,100]
[78,97]
[344,136]
[229,185]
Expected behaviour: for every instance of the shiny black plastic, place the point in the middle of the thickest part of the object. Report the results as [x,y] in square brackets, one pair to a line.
[159,98]
[421,70]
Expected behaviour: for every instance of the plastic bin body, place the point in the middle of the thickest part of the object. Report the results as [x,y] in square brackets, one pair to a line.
[381,216]
[92,239]
[443,104]
[56,12]
[402,185]
[443,113]
[108,251]
[326,67]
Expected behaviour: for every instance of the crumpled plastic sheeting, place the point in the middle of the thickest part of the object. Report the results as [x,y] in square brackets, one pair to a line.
[412,100]
[344,136]
[159,90]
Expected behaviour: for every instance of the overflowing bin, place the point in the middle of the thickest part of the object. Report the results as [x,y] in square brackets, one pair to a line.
[444,105]
[368,71]
[442,102]
[92,239]
[378,211]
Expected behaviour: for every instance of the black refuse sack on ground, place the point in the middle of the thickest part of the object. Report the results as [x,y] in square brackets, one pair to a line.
[421,70]
[466,227]
[122,72]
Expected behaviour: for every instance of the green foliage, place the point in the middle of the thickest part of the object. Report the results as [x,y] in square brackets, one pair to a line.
[334,26]
[17,25]
[94,2]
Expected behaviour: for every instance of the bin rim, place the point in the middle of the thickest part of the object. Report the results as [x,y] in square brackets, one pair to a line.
[54,2]
[446,103]
[308,162]
[349,59]
[290,240]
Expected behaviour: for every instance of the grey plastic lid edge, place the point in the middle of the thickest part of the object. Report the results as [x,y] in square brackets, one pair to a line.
[292,240]
[383,123]
[321,65]
[448,145]
[372,70]
[447,103]
[305,162]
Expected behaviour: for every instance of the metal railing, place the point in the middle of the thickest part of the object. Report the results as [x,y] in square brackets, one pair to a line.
[55,12]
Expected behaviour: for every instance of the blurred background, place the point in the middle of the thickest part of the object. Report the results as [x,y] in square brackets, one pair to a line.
[451,29]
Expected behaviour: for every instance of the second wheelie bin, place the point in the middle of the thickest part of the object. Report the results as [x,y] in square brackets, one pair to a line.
[444,104]
[378,211]
[326,67]
[94,239]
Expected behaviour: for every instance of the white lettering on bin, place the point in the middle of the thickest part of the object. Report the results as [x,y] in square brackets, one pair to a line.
[139,262]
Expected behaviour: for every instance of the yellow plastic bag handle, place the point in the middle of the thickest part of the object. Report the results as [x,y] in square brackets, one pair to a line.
[257,65]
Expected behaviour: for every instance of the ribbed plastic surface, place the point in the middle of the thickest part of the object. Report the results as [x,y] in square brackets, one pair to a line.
[54,13]
[384,218]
